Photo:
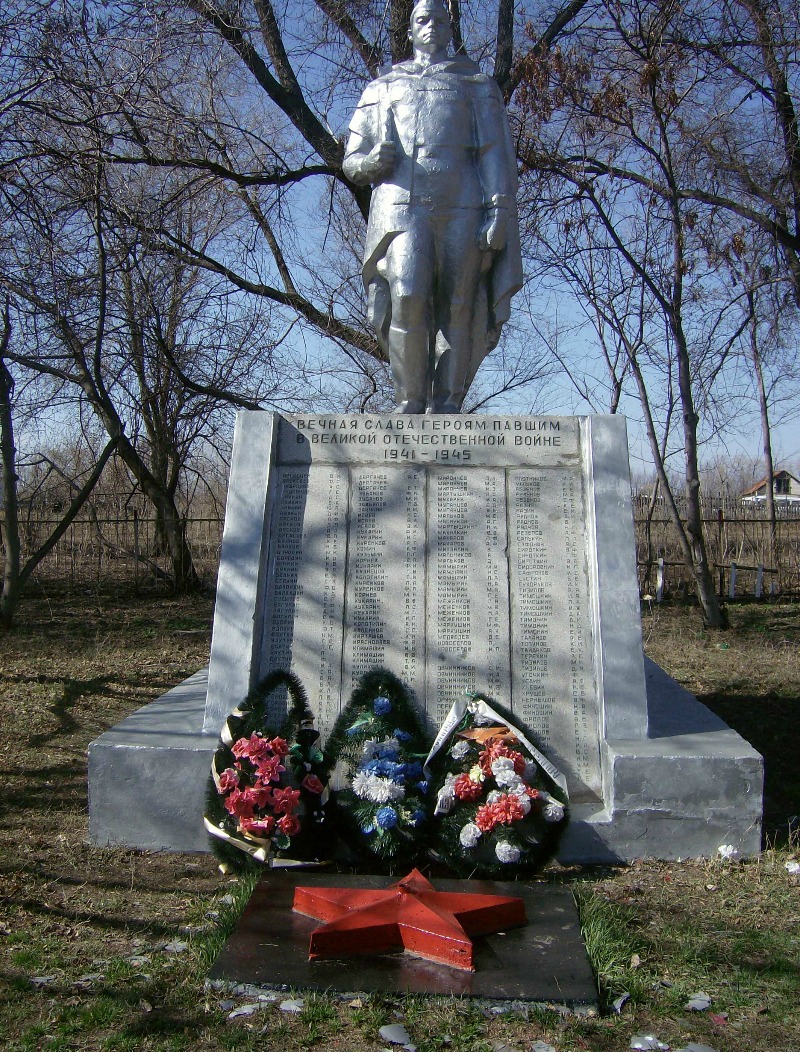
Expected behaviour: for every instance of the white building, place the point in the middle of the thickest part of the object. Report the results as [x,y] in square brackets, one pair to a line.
[785,487]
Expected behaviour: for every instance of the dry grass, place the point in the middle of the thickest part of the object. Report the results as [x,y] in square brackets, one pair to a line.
[70,911]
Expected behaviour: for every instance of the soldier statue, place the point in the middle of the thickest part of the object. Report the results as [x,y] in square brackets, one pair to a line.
[442,257]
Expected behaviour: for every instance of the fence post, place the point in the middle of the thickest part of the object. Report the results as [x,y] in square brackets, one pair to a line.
[759,581]
[720,532]
[136,551]
[732,585]
[660,580]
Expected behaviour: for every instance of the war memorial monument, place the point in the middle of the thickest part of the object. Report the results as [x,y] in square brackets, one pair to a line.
[463,552]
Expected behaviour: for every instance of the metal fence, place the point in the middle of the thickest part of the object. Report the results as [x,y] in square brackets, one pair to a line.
[126,549]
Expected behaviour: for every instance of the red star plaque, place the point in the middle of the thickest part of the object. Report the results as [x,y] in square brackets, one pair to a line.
[432,924]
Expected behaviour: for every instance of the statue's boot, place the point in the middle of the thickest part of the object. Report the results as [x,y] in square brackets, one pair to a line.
[450,379]
[408,354]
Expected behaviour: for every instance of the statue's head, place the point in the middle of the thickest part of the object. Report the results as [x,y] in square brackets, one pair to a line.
[430,30]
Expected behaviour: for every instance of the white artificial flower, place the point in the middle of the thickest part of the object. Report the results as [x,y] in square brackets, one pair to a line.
[553,811]
[728,852]
[361,784]
[460,750]
[469,835]
[507,777]
[481,719]
[507,852]
[446,796]
[524,799]
[369,750]
[476,774]
[793,867]
[493,796]
[531,771]
[501,765]
[376,789]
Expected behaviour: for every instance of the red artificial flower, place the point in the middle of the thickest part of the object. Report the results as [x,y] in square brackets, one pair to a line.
[254,747]
[466,789]
[493,750]
[284,801]
[507,809]
[269,769]
[289,824]
[260,827]
[239,804]
[279,746]
[312,783]
[229,779]
[485,819]
[262,796]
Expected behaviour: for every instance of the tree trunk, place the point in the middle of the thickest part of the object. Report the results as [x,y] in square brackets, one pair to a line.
[713,614]
[9,596]
[766,432]
[184,574]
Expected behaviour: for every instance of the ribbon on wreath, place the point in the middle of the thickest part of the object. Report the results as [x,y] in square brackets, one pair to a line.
[477,707]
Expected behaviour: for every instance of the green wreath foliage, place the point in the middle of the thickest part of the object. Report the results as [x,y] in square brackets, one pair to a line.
[504,823]
[297,788]
[379,743]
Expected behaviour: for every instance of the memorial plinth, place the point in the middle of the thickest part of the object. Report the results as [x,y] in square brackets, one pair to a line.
[477,553]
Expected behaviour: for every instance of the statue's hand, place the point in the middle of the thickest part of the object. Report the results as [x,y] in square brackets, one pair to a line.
[493,233]
[380,161]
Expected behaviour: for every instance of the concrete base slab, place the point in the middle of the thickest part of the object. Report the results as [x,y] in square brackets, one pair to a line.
[689,787]
[544,961]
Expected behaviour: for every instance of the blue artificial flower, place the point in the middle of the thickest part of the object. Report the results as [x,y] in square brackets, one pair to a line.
[383,768]
[418,817]
[414,769]
[422,787]
[382,706]
[386,818]
[368,830]
[402,736]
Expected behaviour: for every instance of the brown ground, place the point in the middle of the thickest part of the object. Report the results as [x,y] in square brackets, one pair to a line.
[81,916]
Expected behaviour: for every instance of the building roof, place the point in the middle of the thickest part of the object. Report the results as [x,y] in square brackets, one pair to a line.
[763,482]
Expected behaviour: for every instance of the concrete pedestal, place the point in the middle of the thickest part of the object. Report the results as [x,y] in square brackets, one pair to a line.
[690,786]
[464,553]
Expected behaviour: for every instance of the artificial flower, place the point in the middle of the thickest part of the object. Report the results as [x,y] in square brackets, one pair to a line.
[382,706]
[312,783]
[386,818]
[259,827]
[253,747]
[467,789]
[269,769]
[289,825]
[377,790]
[470,835]
[460,750]
[507,809]
[285,801]
[236,803]
[507,852]
[229,779]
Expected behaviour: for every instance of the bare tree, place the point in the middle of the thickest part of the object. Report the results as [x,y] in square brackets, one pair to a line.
[606,150]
